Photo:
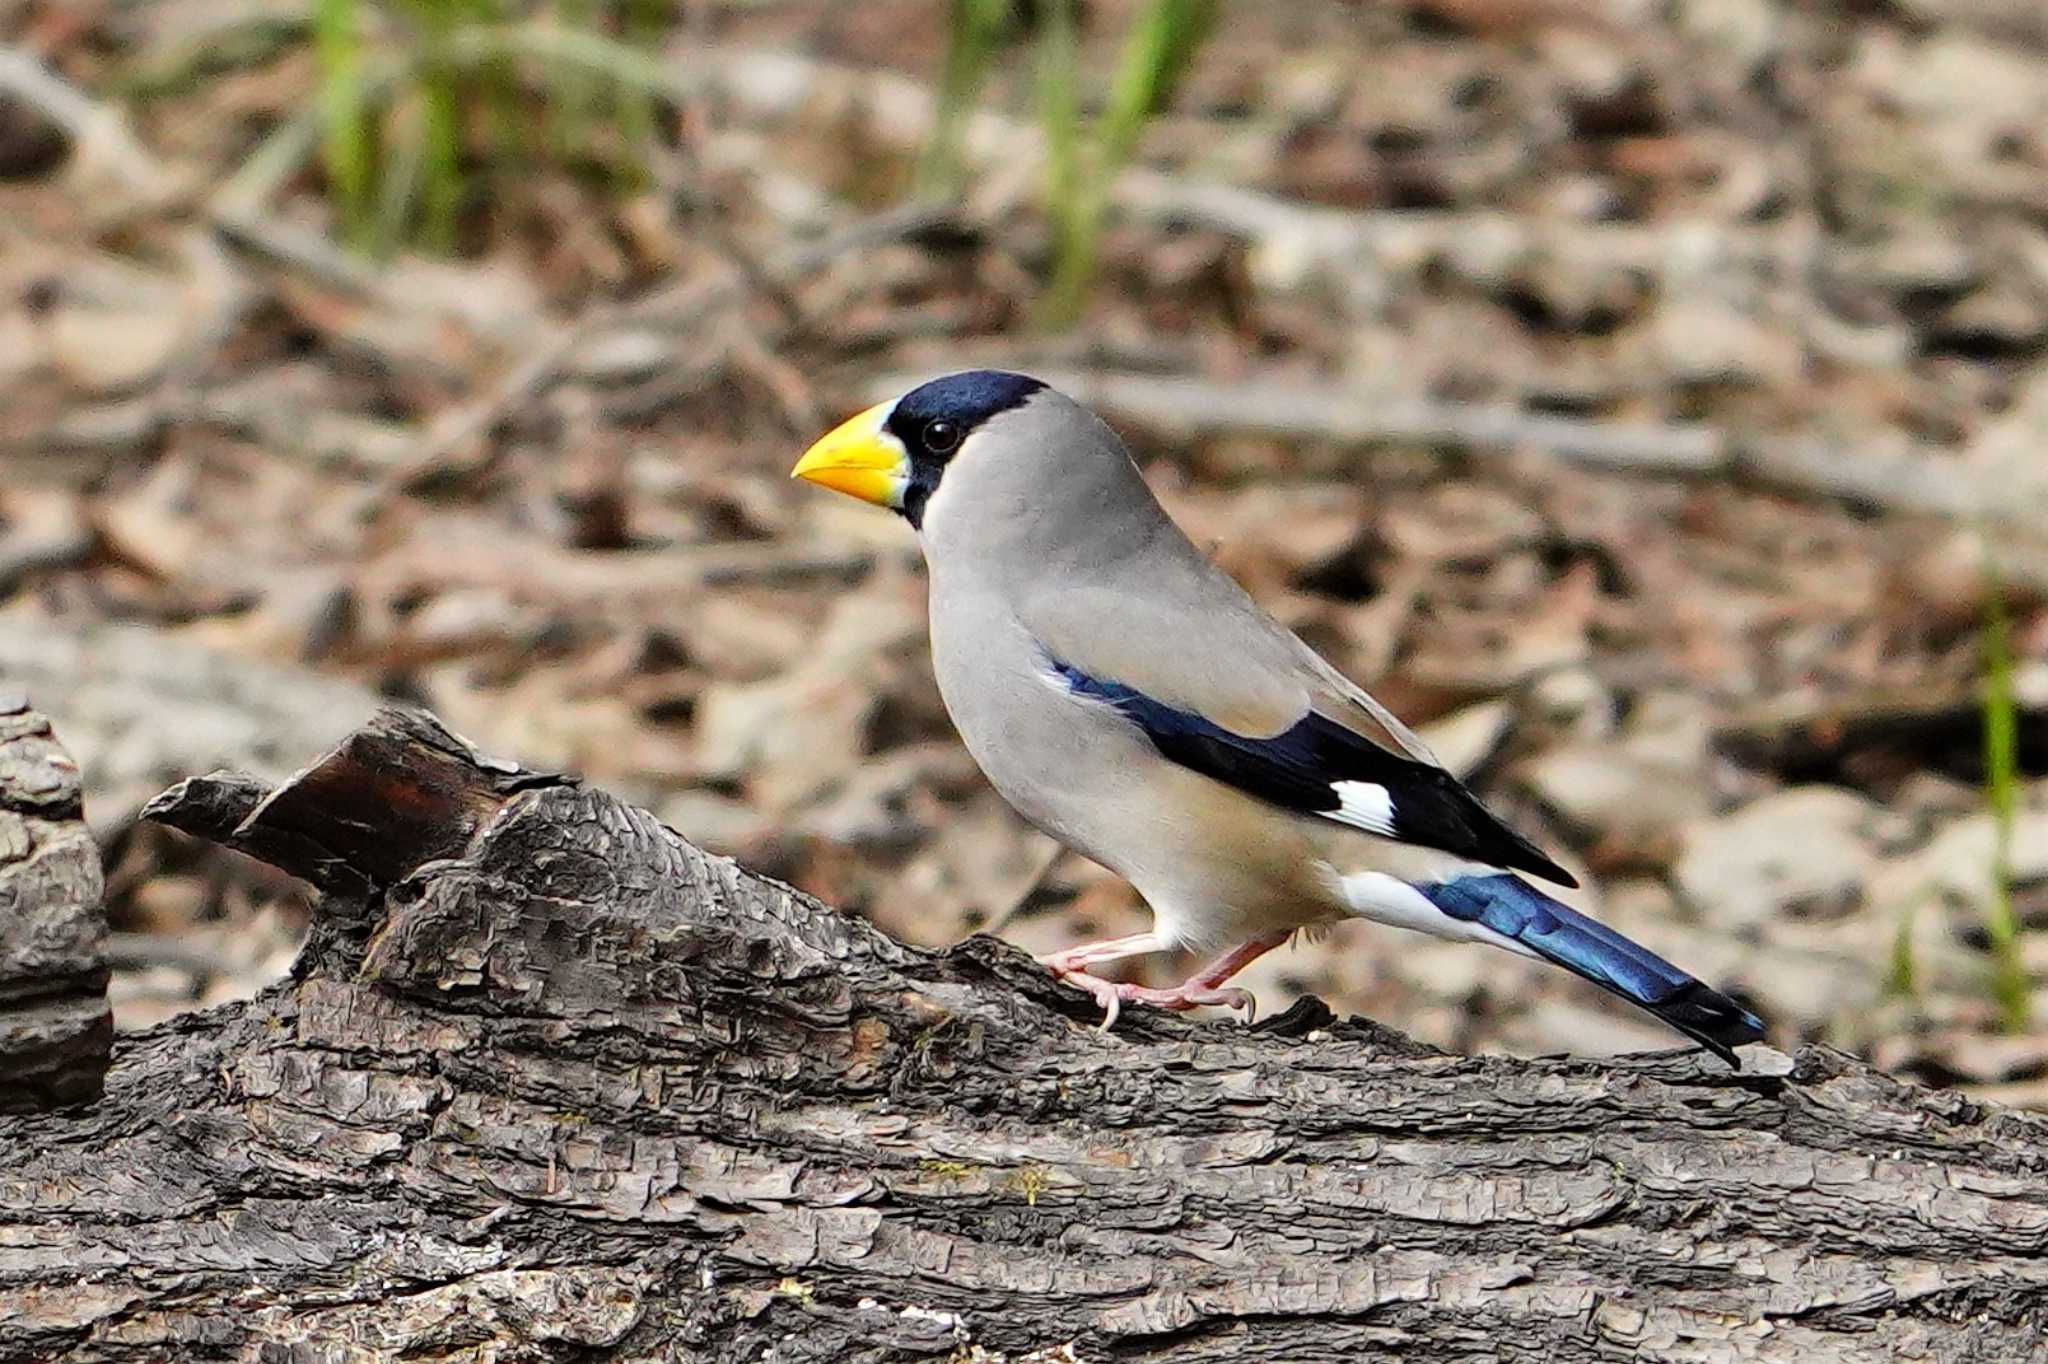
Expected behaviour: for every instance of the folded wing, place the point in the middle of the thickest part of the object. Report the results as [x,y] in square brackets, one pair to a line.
[1320,765]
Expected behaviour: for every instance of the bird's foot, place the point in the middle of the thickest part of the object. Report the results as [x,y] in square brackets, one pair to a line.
[1191,994]
[1112,995]
[1107,992]
[1075,961]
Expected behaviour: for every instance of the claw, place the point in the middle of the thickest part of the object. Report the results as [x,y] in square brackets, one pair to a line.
[1109,996]
[1204,987]
[1105,992]
[1112,995]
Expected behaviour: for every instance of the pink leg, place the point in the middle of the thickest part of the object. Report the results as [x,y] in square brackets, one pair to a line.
[1203,987]
[1069,961]
[1236,959]
[1068,965]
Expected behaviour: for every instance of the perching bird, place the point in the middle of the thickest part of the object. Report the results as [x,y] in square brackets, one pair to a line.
[1129,699]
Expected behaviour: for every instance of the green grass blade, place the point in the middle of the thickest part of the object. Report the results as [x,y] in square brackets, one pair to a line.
[507,119]
[1066,177]
[345,118]
[640,25]
[285,149]
[556,50]
[974,35]
[1902,973]
[2009,985]
[464,73]
[441,102]
[442,189]
[399,193]
[572,93]
[1155,59]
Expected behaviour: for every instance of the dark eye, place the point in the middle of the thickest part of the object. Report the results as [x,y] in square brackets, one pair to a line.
[941,436]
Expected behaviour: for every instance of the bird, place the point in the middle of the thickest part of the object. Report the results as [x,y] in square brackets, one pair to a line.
[1131,700]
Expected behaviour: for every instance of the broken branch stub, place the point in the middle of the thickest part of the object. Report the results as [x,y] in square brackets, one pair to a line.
[549,1082]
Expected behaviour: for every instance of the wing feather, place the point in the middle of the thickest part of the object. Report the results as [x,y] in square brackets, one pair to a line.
[1145,623]
[1320,766]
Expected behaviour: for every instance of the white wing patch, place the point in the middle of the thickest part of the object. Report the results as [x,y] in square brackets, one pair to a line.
[1366,804]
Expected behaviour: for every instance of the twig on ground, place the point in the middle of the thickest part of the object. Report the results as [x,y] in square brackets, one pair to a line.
[1924,482]
[28,557]
[1027,892]
[676,309]
[1185,406]
[457,557]
[141,951]
[99,135]
[1908,481]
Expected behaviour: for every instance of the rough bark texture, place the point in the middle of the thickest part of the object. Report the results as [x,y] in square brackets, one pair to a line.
[55,1027]
[550,1084]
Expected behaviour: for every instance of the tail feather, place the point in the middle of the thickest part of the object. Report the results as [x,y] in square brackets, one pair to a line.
[1511,907]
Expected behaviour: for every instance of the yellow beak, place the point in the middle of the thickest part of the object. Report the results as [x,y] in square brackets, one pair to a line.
[859,457]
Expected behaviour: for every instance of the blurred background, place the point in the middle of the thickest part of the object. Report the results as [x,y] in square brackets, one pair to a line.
[1647,398]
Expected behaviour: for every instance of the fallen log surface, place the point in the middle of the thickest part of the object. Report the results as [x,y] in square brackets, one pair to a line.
[548,1083]
[55,1025]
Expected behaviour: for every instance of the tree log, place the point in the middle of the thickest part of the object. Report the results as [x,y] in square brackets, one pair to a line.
[55,1027]
[548,1083]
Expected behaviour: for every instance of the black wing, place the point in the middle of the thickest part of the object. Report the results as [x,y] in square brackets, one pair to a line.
[1319,767]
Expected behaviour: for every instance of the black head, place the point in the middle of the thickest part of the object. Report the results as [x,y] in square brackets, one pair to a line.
[934,419]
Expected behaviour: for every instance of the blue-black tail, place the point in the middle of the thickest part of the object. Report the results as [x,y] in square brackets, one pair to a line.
[1515,909]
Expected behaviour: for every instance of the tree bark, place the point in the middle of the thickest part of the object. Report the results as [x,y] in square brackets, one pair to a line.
[55,1026]
[548,1083]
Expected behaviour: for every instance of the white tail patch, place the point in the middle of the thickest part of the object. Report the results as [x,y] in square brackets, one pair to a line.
[1389,900]
[1366,804]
